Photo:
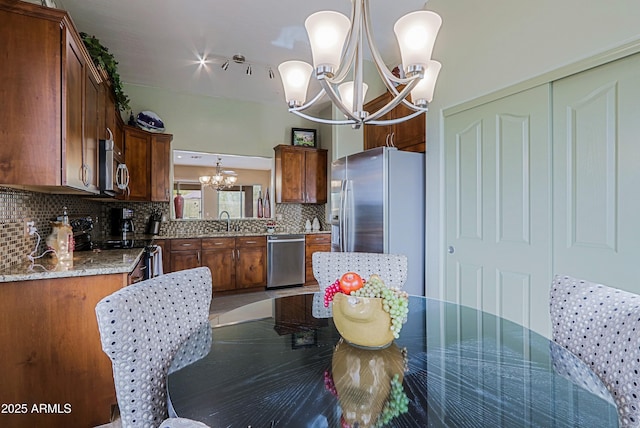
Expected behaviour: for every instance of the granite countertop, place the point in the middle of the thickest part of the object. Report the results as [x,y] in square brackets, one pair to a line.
[233,234]
[85,263]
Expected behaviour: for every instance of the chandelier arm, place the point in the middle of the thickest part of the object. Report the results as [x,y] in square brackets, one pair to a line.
[321,120]
[350,51]
[318,96]
[383,70]
[330,91]
[397,120]
[394,102]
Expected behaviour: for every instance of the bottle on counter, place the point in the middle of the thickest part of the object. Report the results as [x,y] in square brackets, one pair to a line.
[260,208]
[61,239]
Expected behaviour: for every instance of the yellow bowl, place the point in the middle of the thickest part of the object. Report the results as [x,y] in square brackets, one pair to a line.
[361,321]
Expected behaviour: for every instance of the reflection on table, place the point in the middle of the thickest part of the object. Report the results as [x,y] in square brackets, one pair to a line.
[455,367]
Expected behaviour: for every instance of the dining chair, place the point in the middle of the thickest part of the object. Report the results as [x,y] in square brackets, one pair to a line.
[329,266]
[601,326]
[141,328]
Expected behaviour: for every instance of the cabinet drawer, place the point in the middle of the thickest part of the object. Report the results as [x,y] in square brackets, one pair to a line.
[185,244]
[251,241]
[217,243]
[319,238]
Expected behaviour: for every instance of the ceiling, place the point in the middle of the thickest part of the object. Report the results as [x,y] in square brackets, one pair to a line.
[159,43]
[189,158]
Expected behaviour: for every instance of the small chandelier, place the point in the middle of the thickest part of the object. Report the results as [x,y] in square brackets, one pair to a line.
[218,181]
[332,60]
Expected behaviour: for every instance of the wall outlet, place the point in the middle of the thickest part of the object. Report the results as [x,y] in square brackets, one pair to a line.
[29,227]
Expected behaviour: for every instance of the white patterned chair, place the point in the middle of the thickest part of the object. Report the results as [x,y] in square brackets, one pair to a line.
[601,326]
[141,328]
[329,266]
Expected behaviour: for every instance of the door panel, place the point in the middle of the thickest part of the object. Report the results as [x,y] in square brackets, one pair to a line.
[497,200]
[596,156]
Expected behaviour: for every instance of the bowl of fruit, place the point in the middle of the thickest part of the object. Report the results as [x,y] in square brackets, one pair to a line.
[367,313]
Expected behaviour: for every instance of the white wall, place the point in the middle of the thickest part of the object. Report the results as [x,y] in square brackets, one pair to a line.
[489,45]
[218,125]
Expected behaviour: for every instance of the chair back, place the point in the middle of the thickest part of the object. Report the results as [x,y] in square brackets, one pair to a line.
[141,328]
[327,267]
[601,326]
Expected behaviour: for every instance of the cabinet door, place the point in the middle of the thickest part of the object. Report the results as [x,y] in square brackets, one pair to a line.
[409,135]
[251,262]
[139,163]
[166,254]
[314,243]
[160,164]
[72,137]
[290,176]
[316,177]
[91,136]
[219,254]
[377,135]
[222,265]
[181,260]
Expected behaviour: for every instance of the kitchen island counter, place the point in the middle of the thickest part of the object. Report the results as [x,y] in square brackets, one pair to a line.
[85,263]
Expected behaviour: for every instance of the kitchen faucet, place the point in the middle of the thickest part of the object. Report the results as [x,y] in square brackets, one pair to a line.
[228,219]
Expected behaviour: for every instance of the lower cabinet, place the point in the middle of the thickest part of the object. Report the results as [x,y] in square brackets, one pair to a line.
[314,243]
[236,263]
[50,351]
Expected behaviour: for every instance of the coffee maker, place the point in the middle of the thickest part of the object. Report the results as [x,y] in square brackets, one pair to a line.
[122,222]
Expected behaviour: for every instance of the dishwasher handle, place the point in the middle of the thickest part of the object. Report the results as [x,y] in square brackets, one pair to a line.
[275,241]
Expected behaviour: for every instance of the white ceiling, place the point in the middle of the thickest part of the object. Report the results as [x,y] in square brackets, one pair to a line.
[158,42]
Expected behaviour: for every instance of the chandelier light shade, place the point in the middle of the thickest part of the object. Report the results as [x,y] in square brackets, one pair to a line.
[337,51]
[218,181]
[327,33]
[297,75]
[416,33]
[346,93]
[422,94]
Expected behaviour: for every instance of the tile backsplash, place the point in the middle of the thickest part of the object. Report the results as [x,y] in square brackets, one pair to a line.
[18,206]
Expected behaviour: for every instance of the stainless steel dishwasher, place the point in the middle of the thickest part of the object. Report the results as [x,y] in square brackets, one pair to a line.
[285,260]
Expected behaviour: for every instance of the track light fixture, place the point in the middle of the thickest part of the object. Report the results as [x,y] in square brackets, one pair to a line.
[225,66]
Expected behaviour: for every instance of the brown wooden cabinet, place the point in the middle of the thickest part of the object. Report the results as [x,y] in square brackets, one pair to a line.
[49,138]
[409,135]
[50,350]
[219,254]
[185,254]
[236,263]
[148,157]
[301,174]
[251,261]
[313,243]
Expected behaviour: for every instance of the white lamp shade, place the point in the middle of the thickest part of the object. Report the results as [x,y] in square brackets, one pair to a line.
[424,89]
[346,94]
[327,31]
[204,179]
[295,80]
[416,33]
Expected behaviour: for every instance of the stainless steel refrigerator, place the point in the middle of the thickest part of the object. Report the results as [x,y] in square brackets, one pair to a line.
[378,206]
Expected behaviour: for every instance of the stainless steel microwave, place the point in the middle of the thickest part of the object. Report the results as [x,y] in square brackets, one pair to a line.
[114,174]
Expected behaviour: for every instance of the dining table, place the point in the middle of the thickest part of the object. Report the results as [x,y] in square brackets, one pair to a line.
[281,362]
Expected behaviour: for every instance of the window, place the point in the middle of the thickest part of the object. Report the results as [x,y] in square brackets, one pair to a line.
[239,201]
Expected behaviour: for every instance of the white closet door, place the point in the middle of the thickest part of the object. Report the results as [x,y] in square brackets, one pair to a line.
[497,201]
[596,154]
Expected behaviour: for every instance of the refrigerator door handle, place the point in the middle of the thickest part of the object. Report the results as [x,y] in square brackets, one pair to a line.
[342,223]
[348,217]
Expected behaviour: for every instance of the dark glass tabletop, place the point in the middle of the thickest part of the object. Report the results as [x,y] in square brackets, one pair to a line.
[453,367]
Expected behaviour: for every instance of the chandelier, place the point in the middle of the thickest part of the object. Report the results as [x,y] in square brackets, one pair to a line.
[218,181]
[328,32]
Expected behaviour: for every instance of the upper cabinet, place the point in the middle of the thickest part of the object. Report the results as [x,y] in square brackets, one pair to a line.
[148,157]
[301,174]
[49,122]
[409,135]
